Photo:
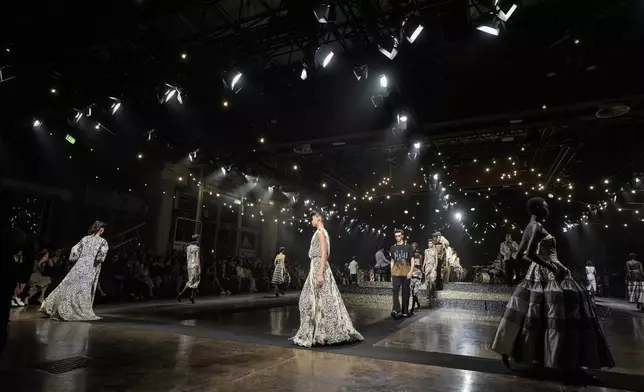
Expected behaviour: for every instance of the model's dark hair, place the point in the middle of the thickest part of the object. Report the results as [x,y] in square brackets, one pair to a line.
[415,244]
[632,256]
[589,263]
[282,249]
[396,231]
[318,213]
[535,206]
[42,253]
[98,225]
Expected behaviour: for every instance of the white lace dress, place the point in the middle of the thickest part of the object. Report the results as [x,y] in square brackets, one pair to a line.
[194,268]
[323,317]
[73,299]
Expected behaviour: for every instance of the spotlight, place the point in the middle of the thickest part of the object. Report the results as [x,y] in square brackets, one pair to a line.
[435,176]
[97,126]
[413,28]
[551,196]
[184,56]
[402,118]
[223,170]
[294,167]
[140,156]
[171,91]
[324,185]
[492,29]
[503,15]
[389,46]
[53,91]
[225,104]
[544,107]
[261,140]
[233,81]
[304,74]
[417,145]
[383,81]
[193,155]
[78,116]
[37,123]
[361,72]
[323,13]
[116,105]
[458,216]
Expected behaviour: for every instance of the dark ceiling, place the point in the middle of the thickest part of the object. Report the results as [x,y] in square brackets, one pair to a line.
[468,94]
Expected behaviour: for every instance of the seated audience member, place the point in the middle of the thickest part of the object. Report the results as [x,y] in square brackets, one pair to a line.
[38,283]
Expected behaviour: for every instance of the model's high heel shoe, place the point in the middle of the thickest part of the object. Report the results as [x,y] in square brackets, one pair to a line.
[192,296]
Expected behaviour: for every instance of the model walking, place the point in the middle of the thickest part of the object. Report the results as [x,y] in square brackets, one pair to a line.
[550,319]
[429,267]
[73,299]
[402,265]
[323,317]
[591,278]
[279,273]
[194,269]
[635,280]
[416,277]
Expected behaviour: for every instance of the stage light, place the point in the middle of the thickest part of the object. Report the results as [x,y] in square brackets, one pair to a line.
[413,28]
[171,92]
[184,56]
[606,181]
[225,104]
[78,116]
[327,59]
[304,74]
[544,107]
[233,80]
[417,145]
[406,212]
[361,72]
[489,30]
[37,123]
[97,126]
[389,46]
[576,42]
[435,176]
[53,91]
[140,156]
[261,140]
[294,167]
[383,81]
[503,15]
[322,13]
[458,216]
[116,105]
[551,196]
[324,185]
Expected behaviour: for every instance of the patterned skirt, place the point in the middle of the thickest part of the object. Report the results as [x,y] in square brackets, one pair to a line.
[552,323]
[194,276]
[635,291]
[278,275]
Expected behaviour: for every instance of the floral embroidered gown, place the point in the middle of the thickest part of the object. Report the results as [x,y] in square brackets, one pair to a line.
[194,268]
[323,317]
[73,299]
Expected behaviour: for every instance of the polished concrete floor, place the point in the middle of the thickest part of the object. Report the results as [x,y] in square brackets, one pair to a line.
[240,344]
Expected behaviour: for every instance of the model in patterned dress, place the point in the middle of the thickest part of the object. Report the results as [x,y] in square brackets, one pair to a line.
[279,278]
[323,317]
[635,281]
[416,277]
[430,263]
[194,269]
[73,299]
[550,319]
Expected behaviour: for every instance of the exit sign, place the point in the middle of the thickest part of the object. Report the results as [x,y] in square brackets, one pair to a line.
[70,139]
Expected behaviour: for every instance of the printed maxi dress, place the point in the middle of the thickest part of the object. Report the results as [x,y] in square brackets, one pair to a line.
[73,299]
[323,317]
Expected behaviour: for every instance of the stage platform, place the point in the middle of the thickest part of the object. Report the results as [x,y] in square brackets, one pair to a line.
[458,295]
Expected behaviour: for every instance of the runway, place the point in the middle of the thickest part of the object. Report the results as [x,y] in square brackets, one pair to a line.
[240,343]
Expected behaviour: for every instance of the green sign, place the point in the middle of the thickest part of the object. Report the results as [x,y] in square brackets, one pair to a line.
[70,138]
[237,201]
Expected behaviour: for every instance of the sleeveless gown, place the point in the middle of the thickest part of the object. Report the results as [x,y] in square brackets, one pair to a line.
[552,323]
[323,317]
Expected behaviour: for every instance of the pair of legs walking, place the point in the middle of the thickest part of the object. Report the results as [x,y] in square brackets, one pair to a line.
[400,283]
[192,293]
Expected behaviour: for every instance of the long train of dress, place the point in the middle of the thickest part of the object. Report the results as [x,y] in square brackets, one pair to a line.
[73,299]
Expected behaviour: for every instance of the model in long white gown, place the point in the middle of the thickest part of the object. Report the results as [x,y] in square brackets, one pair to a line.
[73,299]
[323,317]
